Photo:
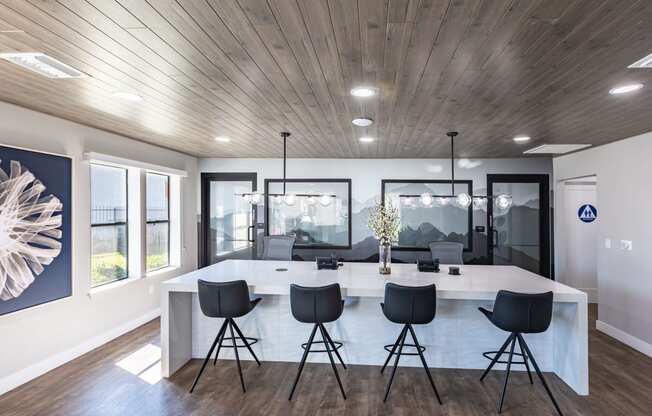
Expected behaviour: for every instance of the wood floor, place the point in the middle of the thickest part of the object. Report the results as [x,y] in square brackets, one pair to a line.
[98,384]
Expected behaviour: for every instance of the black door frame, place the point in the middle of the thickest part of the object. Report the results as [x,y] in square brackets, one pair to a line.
[206,178]
[544,219]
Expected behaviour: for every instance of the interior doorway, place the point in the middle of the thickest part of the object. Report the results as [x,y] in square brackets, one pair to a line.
[577,217]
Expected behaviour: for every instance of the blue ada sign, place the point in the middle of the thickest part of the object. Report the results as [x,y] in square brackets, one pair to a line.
[587,213]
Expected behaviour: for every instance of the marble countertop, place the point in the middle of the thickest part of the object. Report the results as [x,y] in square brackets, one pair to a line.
[477,282]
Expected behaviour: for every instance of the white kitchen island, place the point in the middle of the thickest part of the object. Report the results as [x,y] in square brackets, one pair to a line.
[455,339]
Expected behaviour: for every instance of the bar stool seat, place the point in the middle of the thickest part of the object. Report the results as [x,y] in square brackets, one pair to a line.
[519,313]
[318,305]
[226,300]
[408,305]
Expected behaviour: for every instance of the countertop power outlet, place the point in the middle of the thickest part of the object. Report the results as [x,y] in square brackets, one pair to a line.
[626,245]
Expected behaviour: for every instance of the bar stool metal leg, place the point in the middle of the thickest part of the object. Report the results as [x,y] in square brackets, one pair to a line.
[303,360]
[244,340]
[423,361]
[208,357]
[509,367]
[330,357]
[536,368]
[237,356]
[221,336]
[332,344]
[525,358]
[396,344]
[398,355]
[497,357]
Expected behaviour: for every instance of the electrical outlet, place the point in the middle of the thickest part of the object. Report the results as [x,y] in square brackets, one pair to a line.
[607,243]
[626,245]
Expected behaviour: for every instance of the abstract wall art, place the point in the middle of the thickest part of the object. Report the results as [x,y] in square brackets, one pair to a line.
[35,228]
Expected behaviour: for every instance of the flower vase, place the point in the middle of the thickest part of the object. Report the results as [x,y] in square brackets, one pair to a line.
[385,259]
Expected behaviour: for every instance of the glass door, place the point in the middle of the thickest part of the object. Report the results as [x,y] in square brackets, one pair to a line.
[228,222]
[520,235]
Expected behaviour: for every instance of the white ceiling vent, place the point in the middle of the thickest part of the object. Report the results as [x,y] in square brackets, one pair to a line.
[555,149]
[643,63]
[43,64]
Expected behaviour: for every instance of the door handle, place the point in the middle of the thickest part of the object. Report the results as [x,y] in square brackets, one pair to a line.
[494,237]
[251,234]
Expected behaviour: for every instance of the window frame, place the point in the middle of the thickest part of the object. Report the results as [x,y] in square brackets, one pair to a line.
[467,182]
[147,222]
[346,181]
[113,224]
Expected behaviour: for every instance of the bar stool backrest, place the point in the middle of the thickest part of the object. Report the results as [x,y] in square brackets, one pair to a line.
[410,304]
[316,304]
[527,313]
[224,299]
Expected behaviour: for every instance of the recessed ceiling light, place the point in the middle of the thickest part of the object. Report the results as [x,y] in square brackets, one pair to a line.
[522,139]
[128,96]
[363,92]
[643,63]
[624,89]
[42,64]
[363,122]
[366,139]
[222,139]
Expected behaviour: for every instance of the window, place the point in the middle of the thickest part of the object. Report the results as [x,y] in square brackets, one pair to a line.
[109,261]
[315,225]
[158,221]
[420,224]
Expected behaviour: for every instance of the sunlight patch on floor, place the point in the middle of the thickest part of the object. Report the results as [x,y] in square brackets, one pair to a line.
[144,363]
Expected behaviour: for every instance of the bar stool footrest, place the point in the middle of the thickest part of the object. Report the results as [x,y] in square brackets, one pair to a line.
[489,355]
[338,345]
[238,343]
[389,347]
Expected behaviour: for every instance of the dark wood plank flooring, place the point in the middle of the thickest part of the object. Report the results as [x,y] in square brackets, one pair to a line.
[621,384]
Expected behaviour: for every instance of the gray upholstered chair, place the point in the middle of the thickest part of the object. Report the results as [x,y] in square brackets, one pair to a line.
[447,252]
[277,247]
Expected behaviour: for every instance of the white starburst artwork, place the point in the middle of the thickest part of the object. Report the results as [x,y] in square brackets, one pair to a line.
[30,230]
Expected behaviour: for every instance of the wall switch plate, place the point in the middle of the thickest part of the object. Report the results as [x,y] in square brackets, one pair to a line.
[626,245]
[607,243]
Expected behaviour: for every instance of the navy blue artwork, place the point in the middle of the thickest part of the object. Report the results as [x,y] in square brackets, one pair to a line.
[587,213]
[55,279]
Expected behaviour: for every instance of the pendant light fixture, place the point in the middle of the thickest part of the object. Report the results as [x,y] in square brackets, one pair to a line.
[464,200]
[290,199]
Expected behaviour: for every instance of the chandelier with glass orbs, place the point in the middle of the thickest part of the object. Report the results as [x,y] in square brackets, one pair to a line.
[464,200]
[290,199]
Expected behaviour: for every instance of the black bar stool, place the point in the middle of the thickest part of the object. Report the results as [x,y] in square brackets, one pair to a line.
[317,305]
[519,313]
[409,306]
[226,300]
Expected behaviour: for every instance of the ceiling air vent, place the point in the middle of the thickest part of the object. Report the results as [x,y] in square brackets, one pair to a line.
[556,149]
[42,64]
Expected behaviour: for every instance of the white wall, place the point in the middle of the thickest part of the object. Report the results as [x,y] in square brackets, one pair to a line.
[577,263]
[35,339]
[623,170]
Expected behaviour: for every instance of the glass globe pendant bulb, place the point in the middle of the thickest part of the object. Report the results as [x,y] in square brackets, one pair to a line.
[325,200]
[256,198]
[277,199]
[290,199]
[247,198]
[426,199]
[479,203]
[503,201]
[311,200]
[463,200]
[443,201]
[407,201]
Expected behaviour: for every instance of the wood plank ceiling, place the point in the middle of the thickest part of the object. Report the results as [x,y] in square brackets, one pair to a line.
[248,69]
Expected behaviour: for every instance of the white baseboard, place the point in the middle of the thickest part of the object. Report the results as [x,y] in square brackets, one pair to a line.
[627,339]
[20,377]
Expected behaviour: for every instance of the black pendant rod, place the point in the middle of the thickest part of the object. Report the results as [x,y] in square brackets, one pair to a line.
[452,135]
[285,136]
